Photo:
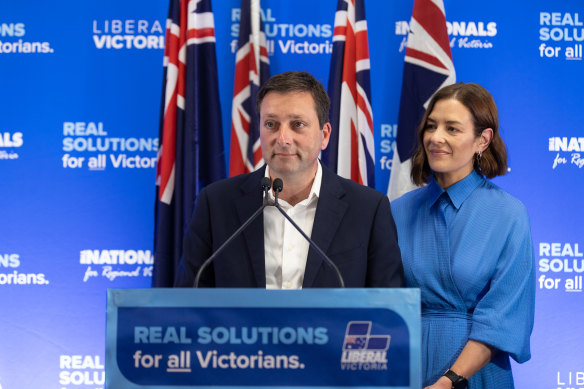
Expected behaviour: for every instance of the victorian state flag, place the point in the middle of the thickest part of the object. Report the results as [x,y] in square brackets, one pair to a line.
[252,69]
[351,150]
[190,153]
[428,67]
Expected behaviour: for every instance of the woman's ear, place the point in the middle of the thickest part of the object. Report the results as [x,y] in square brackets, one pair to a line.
[485,139]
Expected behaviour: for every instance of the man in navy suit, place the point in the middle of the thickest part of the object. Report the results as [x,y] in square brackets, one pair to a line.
[351,223]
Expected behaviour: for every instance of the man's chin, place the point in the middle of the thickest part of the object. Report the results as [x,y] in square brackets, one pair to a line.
[282,167]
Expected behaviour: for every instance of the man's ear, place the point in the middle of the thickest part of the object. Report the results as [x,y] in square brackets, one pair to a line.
[326,135]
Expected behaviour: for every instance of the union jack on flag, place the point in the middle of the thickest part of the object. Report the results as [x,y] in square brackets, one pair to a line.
[190,154]
[358,337]
[428,67]
[252,69]
[351,150]
[355,343]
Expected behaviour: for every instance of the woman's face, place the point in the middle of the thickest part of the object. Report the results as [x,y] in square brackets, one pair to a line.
[450,142]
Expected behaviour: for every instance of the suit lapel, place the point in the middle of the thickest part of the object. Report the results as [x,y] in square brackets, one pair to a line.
[329,214]
[247,204]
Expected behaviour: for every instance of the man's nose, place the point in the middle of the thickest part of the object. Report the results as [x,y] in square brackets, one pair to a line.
[285,135]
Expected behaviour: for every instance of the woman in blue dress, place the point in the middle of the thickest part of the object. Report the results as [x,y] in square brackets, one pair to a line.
[467,245]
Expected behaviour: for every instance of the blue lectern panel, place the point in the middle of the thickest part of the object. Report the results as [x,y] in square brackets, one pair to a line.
[366,338]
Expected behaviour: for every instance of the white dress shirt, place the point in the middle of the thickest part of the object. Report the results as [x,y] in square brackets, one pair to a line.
[285,249]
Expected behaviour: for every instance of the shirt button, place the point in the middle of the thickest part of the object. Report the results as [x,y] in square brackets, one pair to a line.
[287,285]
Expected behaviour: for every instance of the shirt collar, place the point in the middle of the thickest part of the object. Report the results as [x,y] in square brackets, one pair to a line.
[457,192]
[314,190]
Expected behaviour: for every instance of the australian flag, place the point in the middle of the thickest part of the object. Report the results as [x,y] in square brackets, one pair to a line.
[252,69]
[428,67]
[351,150]
[358,337]
[190,154]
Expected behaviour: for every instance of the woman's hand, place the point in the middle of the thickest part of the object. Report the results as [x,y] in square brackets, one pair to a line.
[442,383]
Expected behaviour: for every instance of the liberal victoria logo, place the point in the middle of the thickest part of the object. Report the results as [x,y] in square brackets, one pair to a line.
[363,351]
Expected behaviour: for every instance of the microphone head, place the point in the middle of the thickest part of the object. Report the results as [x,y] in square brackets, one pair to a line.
[278,185]
[266,183]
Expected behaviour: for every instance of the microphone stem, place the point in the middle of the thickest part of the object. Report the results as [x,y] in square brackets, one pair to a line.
[312,244]
[233,236]
[259,211]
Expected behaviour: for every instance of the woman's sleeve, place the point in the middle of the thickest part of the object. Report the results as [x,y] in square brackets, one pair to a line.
[504,316]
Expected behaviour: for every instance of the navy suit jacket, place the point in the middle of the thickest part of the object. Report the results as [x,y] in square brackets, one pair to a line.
[353,225]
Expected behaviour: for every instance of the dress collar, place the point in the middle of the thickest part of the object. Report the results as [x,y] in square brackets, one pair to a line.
[457,192]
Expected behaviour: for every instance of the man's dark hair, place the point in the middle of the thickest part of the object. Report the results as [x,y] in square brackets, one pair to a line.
[295,81]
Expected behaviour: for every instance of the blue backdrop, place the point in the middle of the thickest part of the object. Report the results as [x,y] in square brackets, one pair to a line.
[79,111]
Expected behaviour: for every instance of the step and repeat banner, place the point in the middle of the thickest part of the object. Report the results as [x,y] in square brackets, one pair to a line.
[80,91]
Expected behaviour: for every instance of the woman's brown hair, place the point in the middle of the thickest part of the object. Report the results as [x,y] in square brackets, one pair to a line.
[480,103]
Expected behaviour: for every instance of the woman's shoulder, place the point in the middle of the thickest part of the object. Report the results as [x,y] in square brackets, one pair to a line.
[409,198]
[405,207]
[497,193]
[504,202]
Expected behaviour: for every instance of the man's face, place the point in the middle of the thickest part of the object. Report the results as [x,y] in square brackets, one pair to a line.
[290,136]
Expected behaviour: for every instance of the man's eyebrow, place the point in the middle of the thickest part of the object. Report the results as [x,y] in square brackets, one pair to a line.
[275,116]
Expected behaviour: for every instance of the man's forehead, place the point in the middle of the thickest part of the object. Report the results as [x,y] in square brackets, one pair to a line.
[291,114]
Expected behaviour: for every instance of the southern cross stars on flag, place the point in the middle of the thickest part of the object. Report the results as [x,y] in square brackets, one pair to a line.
[351,150]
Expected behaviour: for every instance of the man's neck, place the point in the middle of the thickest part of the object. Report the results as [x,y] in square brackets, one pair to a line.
[296,187]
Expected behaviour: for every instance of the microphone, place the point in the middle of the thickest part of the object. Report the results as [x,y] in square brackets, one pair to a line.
[278,186]
[265,185]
